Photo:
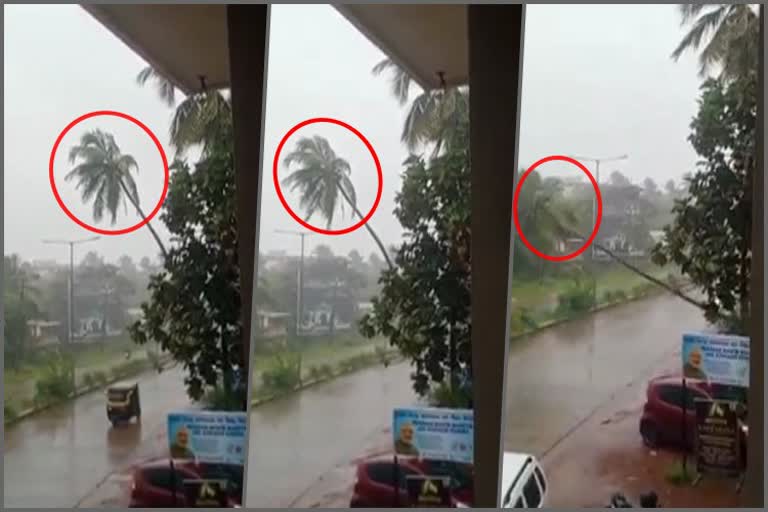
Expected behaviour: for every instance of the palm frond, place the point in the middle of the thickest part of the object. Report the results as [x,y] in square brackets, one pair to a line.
[165,88]
[400,81]
[705,24]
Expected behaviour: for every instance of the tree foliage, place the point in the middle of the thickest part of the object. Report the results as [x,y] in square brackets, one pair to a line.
[424,305]
[194,310]
[710,238]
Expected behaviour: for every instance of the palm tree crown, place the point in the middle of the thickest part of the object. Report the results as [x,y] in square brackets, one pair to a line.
[321,177]
[105,176]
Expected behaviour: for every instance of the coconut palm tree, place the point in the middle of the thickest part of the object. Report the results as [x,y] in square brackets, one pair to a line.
[433,117]
[104,175]
[727,34]
[322,179]
[200,118]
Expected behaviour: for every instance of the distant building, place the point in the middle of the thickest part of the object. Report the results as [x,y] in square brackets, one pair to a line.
[44,332]
[272,324]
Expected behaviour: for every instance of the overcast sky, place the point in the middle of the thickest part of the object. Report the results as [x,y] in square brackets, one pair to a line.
[597,81]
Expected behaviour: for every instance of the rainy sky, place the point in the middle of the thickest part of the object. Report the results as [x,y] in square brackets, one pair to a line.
[597,81]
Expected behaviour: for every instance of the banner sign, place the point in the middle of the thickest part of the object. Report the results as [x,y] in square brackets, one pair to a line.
[428,491]
[437,434]
[205,493]
[716,358]
[208,436]
[718,446]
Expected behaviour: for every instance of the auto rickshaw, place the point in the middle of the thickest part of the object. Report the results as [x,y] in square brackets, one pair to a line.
[123,402]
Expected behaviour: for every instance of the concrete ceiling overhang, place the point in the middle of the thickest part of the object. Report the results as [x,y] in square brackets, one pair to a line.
[185,42]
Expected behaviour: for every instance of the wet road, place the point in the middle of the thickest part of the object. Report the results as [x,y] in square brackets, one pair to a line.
[294,441]
[54,458]
[557,377]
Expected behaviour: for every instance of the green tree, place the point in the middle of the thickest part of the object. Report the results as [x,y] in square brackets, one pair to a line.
[198,118]
[19,277]
[726,34]
[434,117]
[321,177]
[710,238]
[195,304]
[18,311]
[424,304]
[105,176]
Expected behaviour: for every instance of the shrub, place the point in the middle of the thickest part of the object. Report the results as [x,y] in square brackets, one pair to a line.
[382,354]
[89,380]
[154,360]
[219,399]
[284,375]
[56,383]
[9,413]
[100,377]
[677,475]
[443,396]
[577,298]
[128,368]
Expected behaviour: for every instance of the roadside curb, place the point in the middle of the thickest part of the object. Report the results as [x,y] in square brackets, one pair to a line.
[600,307]
[83,390]
[306,384]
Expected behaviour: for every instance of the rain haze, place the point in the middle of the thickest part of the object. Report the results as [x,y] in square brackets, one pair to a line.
[594,84]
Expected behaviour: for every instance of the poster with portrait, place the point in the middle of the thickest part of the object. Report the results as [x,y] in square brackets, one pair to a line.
[716,358]
[432,433]
[208,436]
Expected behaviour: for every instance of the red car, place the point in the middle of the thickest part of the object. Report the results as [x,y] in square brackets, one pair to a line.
[375,487]
[156,485]
[662,419]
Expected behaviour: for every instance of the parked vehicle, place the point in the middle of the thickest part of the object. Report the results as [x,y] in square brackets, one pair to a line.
[647,500]
[375,484]
[661,423]
[160,483]
[523,482]
[123,402]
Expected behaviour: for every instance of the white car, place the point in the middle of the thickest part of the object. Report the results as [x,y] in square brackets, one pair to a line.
[523,484]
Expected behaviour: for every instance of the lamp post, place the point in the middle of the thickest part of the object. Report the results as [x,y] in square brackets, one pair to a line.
[299,276]
[71,290]
[597,162]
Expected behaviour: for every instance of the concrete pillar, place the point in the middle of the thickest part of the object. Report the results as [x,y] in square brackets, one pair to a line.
[248,33]
[755,484]
[495,65]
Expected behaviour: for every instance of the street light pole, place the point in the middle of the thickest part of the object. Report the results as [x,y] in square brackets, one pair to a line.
[71,291]
[597,162]
[299,276]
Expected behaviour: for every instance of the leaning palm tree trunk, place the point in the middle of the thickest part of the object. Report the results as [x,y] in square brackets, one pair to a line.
[369,228]
[143,216]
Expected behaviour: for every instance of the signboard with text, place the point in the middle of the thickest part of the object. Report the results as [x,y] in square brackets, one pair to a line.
[428,491]
[718,431]
[208,436]
[432,433]
[205,493]
[716,358]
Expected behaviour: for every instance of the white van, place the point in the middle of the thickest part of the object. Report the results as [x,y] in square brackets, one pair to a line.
[523,484]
